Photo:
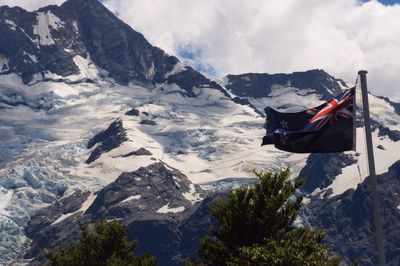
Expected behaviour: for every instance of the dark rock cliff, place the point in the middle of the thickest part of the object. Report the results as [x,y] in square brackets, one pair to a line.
[155,202]
[258,85]
[348,219]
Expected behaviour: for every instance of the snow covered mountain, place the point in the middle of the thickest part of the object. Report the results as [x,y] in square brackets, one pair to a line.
[310,88]
[338,193]
[95,121]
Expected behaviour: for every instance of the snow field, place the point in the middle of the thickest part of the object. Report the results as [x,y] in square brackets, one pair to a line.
[207,138]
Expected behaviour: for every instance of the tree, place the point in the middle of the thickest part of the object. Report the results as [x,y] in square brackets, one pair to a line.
[105,244]
[257,227]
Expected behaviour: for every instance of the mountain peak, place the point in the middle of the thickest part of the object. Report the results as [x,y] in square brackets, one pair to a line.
[45,43]
[78,5]
[82,40]
[248,84]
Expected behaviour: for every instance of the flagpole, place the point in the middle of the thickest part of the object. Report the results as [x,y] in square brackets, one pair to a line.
[371,165]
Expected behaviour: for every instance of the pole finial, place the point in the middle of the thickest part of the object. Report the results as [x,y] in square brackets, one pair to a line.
[362,72]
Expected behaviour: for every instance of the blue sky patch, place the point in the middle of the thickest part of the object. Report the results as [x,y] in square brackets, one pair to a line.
[192,56]
[389,2]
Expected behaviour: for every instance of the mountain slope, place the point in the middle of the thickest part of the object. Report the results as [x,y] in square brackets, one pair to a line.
[338,192]
[259,85]
[347,219]
[82,40]
[168,224]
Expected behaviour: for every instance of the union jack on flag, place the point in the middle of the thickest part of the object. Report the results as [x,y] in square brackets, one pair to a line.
[339,106]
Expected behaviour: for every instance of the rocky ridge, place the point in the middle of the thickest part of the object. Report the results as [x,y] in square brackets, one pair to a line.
[82,40]
[347,219]
[160,206]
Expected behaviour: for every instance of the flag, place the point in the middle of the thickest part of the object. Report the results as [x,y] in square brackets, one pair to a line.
[325,128]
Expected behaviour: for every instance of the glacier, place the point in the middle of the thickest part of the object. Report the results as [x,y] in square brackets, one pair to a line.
[43,149]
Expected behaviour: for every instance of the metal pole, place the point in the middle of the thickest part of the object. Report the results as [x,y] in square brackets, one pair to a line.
[371,165]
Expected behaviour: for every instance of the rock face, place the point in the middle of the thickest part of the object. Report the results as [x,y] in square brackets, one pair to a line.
[38,226]
[107,140]
[348,219]
[140,188]
[148,122]
[56,43]
[139,152]
[133,112]
[114,46]
[257,85]
[169,224]
[27,46]
[394,135]
[321,169]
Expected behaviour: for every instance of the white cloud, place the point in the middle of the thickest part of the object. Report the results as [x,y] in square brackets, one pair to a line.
[30,5]
[340,36]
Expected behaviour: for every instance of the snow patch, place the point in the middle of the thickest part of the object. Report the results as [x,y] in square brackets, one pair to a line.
[87,70]
[4,201]
[135,197]
[287,99]
[86,67]
[89,201]
[75,24]
[355,174]
[178,67]
[46,22]
[305,200]
[150,72]
[223,82]
[12,25]
[382,111]
[4,64]
[328,89]
[33,58]
[167,209]
[53,76]
[110,165]
[176,180]
[192,195]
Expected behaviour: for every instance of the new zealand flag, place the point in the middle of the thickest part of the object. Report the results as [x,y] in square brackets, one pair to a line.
[325,128]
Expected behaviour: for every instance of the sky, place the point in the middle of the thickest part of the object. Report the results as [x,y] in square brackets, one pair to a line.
[390,2]
[268,36]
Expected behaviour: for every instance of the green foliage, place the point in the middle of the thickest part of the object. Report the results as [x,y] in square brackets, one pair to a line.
[298,247]
[104,244]
[256,227]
